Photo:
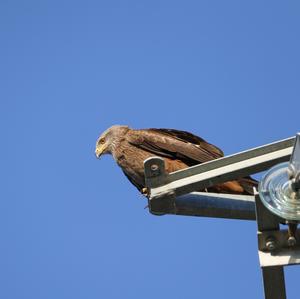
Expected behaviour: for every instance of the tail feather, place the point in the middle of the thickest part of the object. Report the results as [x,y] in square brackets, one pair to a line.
[248,185]
[241,186]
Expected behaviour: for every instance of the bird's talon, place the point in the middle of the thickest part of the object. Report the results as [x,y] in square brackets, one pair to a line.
[145,191]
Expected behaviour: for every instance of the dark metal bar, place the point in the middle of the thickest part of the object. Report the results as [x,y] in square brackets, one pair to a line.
[266,221]
[206,205]
[274,286]
[273,277]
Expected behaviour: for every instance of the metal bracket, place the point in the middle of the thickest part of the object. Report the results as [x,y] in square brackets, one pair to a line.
[155,174]
[217,171]
[274,251]
[274,241]
[174,193]
[195,203]
[171,193]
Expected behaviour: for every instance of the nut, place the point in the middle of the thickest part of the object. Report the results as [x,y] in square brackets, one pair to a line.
[271,244]
[292,241]
[154,167]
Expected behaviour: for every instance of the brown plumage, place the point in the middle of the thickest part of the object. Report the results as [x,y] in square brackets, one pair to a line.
[179,149]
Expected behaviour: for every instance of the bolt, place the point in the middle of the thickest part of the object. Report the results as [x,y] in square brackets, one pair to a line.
[292,241]
[155,169]
[271,244]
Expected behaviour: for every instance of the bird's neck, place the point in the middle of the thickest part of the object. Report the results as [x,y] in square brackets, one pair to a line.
[118,144]
[117,149]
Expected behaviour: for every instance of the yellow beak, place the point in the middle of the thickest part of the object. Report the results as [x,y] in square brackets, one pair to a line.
[99,150]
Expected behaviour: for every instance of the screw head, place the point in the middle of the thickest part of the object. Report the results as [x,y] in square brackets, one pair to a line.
[154,167]
[271,244]
[292,241]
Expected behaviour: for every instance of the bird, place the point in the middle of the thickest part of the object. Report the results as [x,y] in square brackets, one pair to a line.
[179,149]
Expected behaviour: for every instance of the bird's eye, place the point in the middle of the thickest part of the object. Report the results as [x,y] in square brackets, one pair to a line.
[102,140]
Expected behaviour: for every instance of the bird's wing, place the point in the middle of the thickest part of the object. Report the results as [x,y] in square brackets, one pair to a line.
[191,138]
[174,144]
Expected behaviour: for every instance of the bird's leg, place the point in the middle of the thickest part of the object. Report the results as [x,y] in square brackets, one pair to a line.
[144,191]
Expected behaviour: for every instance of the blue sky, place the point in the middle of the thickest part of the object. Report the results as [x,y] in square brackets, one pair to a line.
[74,227]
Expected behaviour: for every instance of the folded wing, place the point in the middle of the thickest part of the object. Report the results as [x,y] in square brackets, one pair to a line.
[175,144]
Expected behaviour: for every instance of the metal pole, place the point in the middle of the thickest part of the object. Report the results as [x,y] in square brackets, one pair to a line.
[274,286]
[206,205]
[273,277]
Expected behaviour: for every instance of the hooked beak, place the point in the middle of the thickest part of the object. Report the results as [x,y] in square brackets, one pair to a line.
[98,152]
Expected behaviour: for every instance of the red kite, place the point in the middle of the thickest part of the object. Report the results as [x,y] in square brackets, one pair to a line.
[179,149]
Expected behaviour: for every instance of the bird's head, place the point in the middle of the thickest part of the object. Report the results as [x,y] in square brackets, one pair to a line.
[109,139]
